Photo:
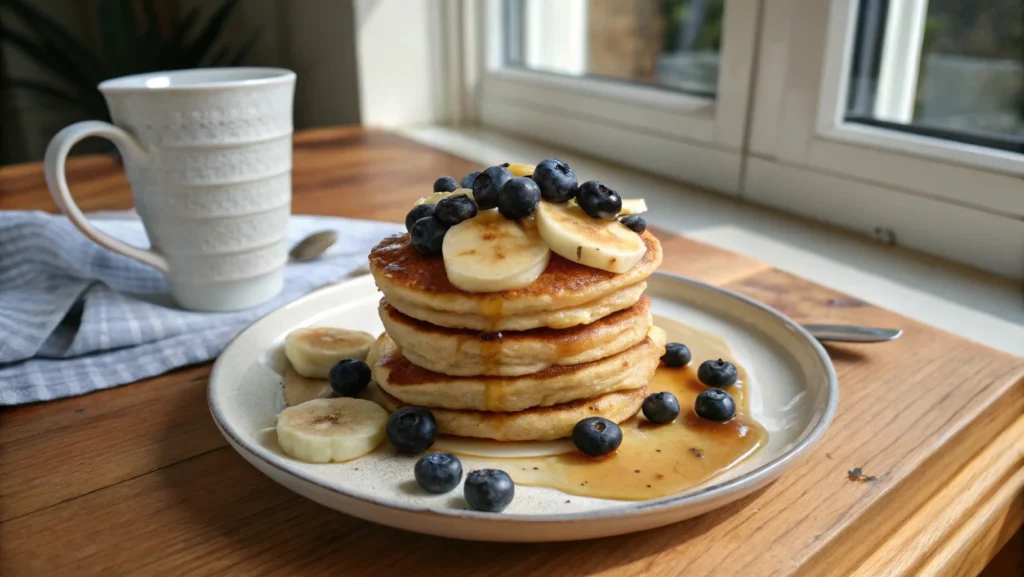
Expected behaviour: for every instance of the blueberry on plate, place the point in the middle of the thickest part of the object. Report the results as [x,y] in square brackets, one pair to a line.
[556,180]
[635,223]
[455,209]
[349,377]
[489,490]
[438,472]
[599,201]
[419,211]
[715,405]
[445,184]
[661,407]
[596,436]
[717,373]
[518,198]
[428,235]
[676,355]
[467,181]
[487,184]
[411,430]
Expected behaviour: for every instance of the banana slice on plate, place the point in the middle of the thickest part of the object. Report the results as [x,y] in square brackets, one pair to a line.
[439,196]
[325,430]
[490,253]
[312,351]
[633,206]
[603,244]
[299,389]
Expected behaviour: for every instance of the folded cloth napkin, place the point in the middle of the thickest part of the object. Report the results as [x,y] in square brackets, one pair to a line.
[75,317]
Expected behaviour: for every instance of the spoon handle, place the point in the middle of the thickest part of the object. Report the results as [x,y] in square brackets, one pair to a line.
[852,334]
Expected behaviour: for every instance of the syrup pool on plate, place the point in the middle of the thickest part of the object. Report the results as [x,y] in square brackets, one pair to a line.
[653,460]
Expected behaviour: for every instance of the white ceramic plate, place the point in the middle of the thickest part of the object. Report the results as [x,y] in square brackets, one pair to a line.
[794,395]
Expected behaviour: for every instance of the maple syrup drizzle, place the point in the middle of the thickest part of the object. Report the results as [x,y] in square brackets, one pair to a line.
[654,460]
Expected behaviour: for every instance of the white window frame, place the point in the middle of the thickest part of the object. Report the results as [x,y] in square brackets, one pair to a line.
[666,132]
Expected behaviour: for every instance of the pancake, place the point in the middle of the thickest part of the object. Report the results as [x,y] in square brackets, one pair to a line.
[539,424]
[464,353]
[555,319]
[413,282]
[630,369]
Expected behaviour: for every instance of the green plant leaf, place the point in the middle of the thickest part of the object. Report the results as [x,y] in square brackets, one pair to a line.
[200,47]
[118,37]
[40,88]
[171,50]
[57,40]
[55,62]
[241,53]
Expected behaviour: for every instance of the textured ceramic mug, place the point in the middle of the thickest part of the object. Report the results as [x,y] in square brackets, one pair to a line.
[208,153]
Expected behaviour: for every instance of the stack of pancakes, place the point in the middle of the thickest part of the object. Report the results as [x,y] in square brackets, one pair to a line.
[513,365]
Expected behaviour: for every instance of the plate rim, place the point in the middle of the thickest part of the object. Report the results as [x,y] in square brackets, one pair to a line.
[759,476]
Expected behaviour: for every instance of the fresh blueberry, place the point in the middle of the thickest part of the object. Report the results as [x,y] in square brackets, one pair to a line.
[489,490]
[635,223]
[661,407]
[676,355]
[428,235]
[596,436]
[556,180]
[518,198]
[445,184]
[717,373]
[467,181]
[487,184]
[349,377]
[598,200]
[455,209]
[419,211]
[412,429]
[438,472]
[715,405]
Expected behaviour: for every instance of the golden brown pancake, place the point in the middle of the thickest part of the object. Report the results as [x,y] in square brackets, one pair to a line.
[539,424]
[465,353]
[632,368]
[414,282]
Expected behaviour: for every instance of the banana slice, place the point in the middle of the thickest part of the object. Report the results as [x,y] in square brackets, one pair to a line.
[490,253]
[633,206]
[325,430]
[439,196]
[521,169]
[299,389]
[604,244]
[312,351]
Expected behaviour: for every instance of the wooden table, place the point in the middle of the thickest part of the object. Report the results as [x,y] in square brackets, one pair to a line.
[136,480]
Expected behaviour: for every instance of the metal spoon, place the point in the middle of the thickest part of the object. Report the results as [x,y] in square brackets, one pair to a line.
[313,245]
[852,334]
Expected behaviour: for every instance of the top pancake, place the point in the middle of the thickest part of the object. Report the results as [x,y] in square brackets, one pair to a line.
[406,276]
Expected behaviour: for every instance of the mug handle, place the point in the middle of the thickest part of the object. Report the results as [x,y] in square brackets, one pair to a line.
[56,155]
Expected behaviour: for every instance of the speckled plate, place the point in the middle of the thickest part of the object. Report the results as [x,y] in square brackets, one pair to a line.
[794,395]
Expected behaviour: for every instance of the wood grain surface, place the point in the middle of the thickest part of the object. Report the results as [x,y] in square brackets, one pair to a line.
[137,481]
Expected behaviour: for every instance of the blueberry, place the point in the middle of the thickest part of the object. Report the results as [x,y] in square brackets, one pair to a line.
[438,472]
[428,235]
[445,184]
[598,200]
[349,377]
[412,429]
[717,373]
[635,223]
[715,405]
[676,355]
[455,209]
[487,184]
[518,198]
[661,407]
[419,211]
[596,436]
[556,180]
[489,490]
[467,181]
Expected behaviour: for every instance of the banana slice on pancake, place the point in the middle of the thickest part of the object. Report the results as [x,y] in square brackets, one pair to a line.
[325,430]
[312,351]
[490,253]
[633,206]
[439,196]
[602,244]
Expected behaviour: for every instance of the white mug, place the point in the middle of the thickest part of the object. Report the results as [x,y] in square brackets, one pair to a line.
[208,153]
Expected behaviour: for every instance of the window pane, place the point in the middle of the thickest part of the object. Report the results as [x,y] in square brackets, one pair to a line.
[951,69]
[666,43]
